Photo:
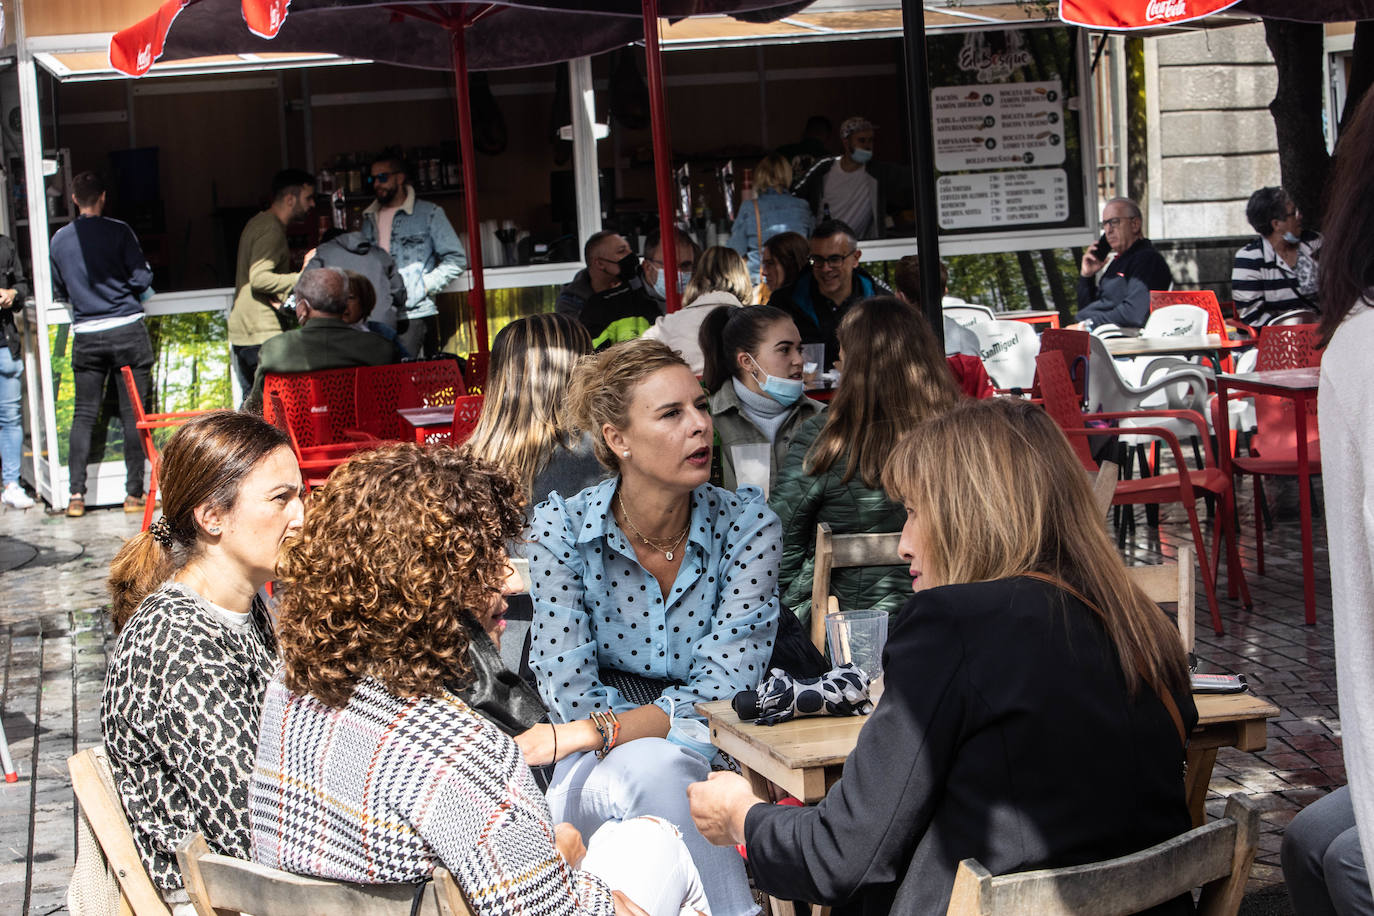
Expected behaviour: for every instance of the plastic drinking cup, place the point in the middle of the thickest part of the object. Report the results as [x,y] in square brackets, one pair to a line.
[857,637]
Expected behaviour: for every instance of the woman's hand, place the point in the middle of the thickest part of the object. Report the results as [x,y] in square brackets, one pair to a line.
[568,841]
[538,744]
[624,906]
[719,806]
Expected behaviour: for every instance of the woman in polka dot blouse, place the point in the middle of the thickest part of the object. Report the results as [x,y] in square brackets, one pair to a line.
[653,591]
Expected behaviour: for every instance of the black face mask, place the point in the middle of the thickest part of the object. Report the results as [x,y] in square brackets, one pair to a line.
[629,267]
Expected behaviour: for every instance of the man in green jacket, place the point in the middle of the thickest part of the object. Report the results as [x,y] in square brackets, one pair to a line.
[262,276]
[324,340]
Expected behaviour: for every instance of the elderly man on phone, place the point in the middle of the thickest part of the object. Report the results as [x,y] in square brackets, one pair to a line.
[1117,274]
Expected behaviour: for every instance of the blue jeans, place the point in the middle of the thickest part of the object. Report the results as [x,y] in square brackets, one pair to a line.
[11,415]
[650,776]
[95,356]
[1322,862]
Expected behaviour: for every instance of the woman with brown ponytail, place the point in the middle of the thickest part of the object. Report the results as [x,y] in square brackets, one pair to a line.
[195,649]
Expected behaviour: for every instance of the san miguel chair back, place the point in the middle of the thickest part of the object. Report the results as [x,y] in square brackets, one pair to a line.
[844,551]
[147,422]
[1204,299]
[217,884]
[102,814]
[967,314]
[1183,486]
[1216,857]
[1008,350]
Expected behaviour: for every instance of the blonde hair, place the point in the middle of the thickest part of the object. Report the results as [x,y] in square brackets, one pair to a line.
[774,172]
[719,269]
[603,387]
[894,378]
[982,518]
[524,416]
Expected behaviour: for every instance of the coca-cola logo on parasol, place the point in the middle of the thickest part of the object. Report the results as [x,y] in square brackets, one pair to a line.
[1156,10]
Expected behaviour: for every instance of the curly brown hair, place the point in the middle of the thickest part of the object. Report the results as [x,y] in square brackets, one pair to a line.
[398,547]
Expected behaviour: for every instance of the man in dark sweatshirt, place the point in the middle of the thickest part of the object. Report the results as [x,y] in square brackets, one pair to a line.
[1121,294]
[99,268]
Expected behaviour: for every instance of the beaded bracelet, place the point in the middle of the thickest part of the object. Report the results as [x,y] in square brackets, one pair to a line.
[608,727]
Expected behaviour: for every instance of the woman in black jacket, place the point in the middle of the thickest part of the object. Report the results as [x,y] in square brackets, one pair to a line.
[1036,701]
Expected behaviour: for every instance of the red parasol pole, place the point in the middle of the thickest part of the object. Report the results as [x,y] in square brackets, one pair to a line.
[477,294]
[663,153]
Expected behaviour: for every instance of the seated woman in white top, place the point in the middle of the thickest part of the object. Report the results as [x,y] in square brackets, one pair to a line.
[720,279]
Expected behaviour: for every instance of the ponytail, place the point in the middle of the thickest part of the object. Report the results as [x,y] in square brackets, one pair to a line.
[141,565]
[729,331]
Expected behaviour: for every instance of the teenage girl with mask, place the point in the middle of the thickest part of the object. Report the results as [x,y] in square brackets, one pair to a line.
[895,378]
[753,369]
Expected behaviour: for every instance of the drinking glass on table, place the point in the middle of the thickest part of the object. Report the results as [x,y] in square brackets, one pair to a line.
[858,638]
[813,359]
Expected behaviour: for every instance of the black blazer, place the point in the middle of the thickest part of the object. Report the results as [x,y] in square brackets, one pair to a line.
[1005,735]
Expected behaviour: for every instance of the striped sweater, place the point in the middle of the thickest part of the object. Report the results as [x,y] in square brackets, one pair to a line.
[1265,287]
[387,788]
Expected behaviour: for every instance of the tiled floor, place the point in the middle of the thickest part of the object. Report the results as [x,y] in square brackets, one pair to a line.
[52,642]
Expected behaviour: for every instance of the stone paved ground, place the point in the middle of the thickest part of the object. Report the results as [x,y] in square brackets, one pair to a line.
[52,656]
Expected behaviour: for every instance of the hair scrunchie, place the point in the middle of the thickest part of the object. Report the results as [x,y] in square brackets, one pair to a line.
[161,530]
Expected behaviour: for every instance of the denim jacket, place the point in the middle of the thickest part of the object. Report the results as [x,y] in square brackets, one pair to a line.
[778,212]
[425,248]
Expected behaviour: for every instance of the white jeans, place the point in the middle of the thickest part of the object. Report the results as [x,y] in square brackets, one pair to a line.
[649,776]
[644,859]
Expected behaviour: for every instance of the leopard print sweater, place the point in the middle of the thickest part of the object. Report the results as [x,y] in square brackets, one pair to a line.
[179,715]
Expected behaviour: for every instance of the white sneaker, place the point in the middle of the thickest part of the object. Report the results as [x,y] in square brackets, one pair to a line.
[15,497]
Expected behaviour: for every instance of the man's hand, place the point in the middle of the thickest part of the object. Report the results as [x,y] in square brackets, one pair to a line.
[719,806]
[7,297]
[568,842]
[1090,265]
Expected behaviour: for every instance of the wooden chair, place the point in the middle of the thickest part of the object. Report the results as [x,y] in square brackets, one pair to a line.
[1104,485]
[1216,857]
[1172,583]
[844,551]
[217,884]
[147,422]
[101,810]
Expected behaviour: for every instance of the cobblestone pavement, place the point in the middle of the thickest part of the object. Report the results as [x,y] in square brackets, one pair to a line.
[52,658]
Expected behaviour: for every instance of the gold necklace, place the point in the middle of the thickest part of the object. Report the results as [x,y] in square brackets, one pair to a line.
[666,551]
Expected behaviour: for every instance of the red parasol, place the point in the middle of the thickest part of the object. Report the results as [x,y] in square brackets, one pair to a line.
[1152,14]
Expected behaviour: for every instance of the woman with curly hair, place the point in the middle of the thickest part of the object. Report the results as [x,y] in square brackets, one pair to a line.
[370,766]
[653,591]
[195,651]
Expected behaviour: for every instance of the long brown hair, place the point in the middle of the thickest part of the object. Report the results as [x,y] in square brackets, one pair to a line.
[894,377]
[204,464]
[524,415]
[983,518]
[1346,265]
[398,549]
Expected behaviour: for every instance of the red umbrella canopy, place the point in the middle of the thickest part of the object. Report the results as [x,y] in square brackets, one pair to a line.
[1152,14]
[510,33]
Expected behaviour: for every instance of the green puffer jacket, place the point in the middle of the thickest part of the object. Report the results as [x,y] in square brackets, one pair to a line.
[803,501]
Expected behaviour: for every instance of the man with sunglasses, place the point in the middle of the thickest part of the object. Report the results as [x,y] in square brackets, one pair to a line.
[421,240]
[1129,269]
[819,297]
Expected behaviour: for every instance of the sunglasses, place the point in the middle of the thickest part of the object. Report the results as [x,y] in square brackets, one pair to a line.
[381,176]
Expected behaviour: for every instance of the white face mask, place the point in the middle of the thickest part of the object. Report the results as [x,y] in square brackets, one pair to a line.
[786,391]
[1290,238]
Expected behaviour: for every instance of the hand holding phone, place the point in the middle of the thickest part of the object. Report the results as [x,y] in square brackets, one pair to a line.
[1102,249]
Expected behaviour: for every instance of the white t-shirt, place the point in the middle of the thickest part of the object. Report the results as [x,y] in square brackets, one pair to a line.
[850,197]
[384,217]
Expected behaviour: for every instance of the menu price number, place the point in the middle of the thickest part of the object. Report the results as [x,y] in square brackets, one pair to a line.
[1003,198]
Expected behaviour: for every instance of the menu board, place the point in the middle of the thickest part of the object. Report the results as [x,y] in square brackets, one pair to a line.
[1007,131]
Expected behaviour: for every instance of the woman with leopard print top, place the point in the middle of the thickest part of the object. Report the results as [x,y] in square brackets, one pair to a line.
[195,649]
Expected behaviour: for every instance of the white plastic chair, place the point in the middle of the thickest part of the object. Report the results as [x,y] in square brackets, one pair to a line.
[1182,385]
[1176,321]
[969,314]
[1008,350]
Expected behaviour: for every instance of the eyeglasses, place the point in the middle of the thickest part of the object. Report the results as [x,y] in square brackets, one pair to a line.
[381,176]
[1117,221]
[1291,213]
[834,260]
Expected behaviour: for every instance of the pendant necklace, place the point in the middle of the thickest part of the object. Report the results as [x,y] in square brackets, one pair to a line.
[666,548]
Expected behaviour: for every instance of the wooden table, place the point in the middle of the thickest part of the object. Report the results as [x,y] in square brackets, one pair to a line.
[1299,386]
[428,421]
[1048,317]
[804,757]
[1187,345]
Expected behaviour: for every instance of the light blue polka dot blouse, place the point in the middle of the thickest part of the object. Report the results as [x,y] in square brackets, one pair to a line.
[596,607]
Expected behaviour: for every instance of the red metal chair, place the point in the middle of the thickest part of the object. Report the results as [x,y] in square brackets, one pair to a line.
[380,391]
[467,410]
[1183,486]
[1075,345]
[316,462]
[1274,447]
[147,422]
[475,373]
[319,405]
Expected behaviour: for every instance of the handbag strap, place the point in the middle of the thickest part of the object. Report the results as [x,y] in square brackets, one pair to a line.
[1164,695]
[758,232]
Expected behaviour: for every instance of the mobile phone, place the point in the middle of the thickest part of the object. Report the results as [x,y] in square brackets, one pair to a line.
[1101,249]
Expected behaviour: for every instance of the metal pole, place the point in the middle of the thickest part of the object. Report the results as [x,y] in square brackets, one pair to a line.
[663,153]
[477,293]
[586,178]
[923,162]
